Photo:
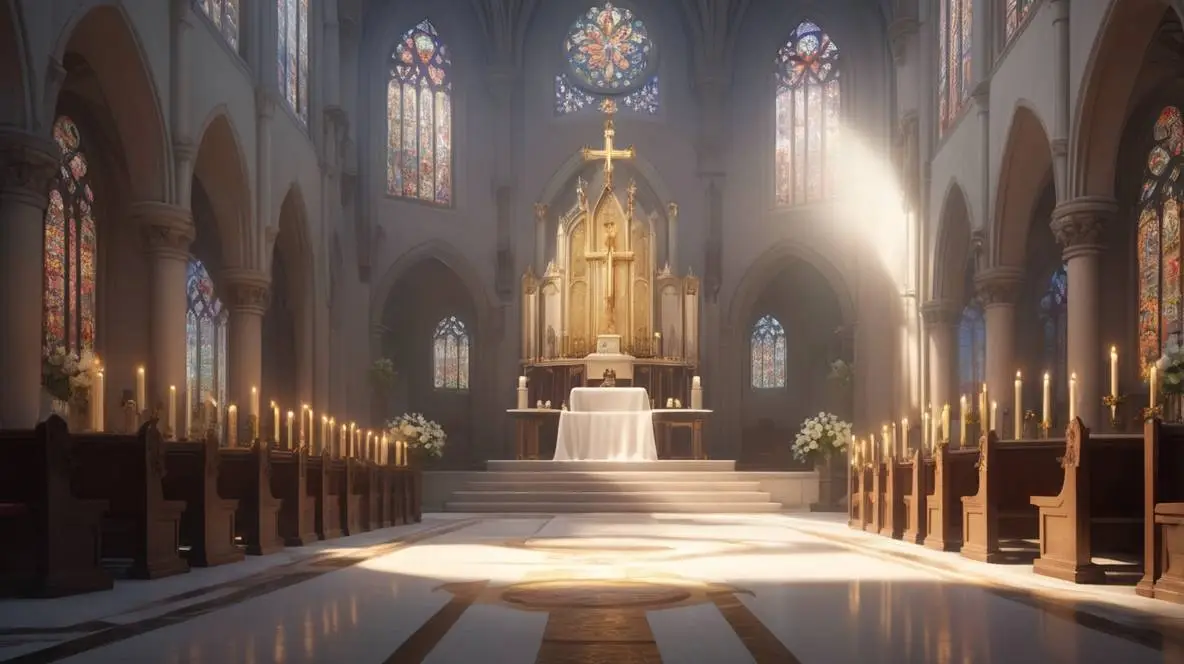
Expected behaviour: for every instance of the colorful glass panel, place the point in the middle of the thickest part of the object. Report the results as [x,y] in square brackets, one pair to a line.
[955,61]
[807,113]
[768,353]
[70,251]
[570,98]
[1158,242]
[419,117]
[608,49]
[972,349]
[1014,14]
[450,355]
[224,15]
[292,54]
[1054,312]
[205,340]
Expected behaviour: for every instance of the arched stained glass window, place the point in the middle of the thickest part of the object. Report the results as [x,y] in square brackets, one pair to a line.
[1054,323]
[767,349]
[450,355]
[224,14]
[1014,13]
[69,282]
[419,117]
[205,341]
[954,75]
[1158,240]
[808,102]
[608,52]
[292,53]
[972,349]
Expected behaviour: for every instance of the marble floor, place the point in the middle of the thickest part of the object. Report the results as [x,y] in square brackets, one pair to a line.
[618,589]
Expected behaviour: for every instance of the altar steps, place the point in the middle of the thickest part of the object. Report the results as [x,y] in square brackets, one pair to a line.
[603,508]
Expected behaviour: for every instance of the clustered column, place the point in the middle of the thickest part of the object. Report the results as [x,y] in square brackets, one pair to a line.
[940,318]
[27,166]
[1077,225]
[998,288]
[248,294]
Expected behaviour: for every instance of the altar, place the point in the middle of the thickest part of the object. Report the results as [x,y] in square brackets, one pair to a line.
[607,424]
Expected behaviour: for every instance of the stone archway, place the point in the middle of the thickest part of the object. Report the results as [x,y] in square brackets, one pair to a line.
[287,324]
[220,170]
[1026,171]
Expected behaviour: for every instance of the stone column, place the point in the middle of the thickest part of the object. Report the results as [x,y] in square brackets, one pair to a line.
[248,294]
[1077,225]
[168,231]
[998,287]
[27,166]
[941,319]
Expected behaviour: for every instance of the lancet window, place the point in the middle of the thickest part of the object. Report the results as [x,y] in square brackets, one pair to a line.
[807,112]
[1158,237]
[205,340]
[954,75]
[419,117]
[292,54]
[450,355]
[1014,13]
[768,353]
[224,14]
[972,349]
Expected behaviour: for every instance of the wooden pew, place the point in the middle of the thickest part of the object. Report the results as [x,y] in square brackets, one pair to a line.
[898,479]
[1163,509]
[953,478]
[140,526]
[920,484]
[298,509]
[382,497]
[51,539]
[326,496]
[414,495]
[207,524]
[245,475]
[1009,474]
[875,496]
[351,507]
[857,473]
[1099,508]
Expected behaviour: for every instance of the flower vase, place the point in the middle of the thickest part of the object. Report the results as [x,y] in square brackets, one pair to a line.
[61,408]
[828,487]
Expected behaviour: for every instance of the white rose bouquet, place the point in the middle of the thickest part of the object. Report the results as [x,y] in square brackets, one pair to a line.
[821,436]
[421,434]
[68,377]
[1171,367]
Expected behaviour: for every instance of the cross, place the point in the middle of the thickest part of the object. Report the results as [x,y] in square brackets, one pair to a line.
[608,153]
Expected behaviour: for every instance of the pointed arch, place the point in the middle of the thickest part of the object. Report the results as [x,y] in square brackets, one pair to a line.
[439,250]
[419,117]
[1024,173]
[952,248]
[292,243]
[807,100]
[221,168]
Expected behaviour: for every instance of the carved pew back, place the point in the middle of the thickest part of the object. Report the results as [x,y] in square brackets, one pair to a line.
[1163,509]
[321,490]
[289,484]
[953,478]
[207,525]
[919,486]
[245,475]
[898,482]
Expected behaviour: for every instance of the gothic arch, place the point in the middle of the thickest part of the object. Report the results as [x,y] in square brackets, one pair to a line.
[101,32]
[14,81]
[221,167]
[952,247]
[293,245]
[562,180]
[769,264]
[446,254]
[1107,87]
[1023,175]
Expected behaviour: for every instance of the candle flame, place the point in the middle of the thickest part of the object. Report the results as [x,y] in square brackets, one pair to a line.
[1046,375]
[1018,375]
[140,370]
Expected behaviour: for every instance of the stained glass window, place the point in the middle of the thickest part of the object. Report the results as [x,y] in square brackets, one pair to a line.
[69,282]
[609,50]
[1014,13]
[224,14]
[768,353]
[450,355]
[1054,322]
[807,109]
[419,117]
[292,51]
[570,97]
[972,349]
[1158,240]
[205,341]
[954,60]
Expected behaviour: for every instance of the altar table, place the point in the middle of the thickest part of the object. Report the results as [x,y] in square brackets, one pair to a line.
[607,424]
[666,420]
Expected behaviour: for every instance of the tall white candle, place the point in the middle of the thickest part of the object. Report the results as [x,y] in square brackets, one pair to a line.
[904,435]
[962,413]
[232,425]
[1153,381]
[172,433]
[983,402]
[345,450]
[1114,371]
[926,429]
[291,424]
[312,428]
[696,382]
[522,381]
[275,421]
[994,413]
[324,432]
[98,401]
[302,431]
[188,416]
[1019,405]
[945,423]
[141,391]
[254,412]
[1046,407]
[1072,397]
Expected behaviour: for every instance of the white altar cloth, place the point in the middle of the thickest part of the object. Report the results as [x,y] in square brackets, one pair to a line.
[607,424]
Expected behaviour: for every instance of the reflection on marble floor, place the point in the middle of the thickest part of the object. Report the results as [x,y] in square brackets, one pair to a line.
[620,589]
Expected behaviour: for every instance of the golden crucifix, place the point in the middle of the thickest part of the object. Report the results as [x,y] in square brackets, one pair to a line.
[609,107]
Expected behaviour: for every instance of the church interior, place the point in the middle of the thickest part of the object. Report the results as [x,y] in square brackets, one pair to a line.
[584,331]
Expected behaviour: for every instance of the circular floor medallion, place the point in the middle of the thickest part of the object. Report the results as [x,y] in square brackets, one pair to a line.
[593,594]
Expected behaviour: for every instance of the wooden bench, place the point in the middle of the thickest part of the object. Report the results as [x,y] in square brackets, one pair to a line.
[350,500]
[408,495]
[1163,509]
[141,530]
[386,480]
[898,480]
[245,475]
[953,478]
[289,484]
[1000,509]
[1099,508]
[52,540]
[914,497]
[875,493]
[207,524]
[858,474]
[326,496]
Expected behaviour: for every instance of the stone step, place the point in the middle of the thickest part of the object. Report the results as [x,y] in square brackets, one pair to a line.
[663,466]
[587,508]
[615,497]
[611,485]
[615,476]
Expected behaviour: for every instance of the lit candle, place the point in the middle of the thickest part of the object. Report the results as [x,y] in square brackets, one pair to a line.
[1114,371]
[303,421]
[353,439]
[696,383]
[172,433]
[1046,408]
[1019,405]
[141,392]
[945,423]
[98,399]
[254,412]
[886,445]
[324,431]
[275,422]
[344,441]
[1153,381]
[926,429]
[1072,397]
[982,407]
[312,429]
[330,438]
[904,434]
[962,413]
[994,412]
[188,415]
[368,452]
[291,423]
[232,425]
[521,382]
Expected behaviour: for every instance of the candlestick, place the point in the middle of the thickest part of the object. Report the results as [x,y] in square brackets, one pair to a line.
[254,412]
[994,412]
[696,382]
[232,425]
[141,391]
[926,429]
[1114,371]
[1019,406]
[172,432]
[97,401]
[983,402]
[275,422]
[1153,381]
[1046,411]
[945,423]
[962,413]
[1072,397]
[904,436]
[291,423]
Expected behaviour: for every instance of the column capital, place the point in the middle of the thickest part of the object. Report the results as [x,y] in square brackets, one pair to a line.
[999,285]
[940,312]
[246,291]
[28,164]
[168,229]
[1078,223]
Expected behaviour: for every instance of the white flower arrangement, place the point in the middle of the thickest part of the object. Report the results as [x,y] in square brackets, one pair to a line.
[1170,367]
[822,435]
[68,376]
[419,432]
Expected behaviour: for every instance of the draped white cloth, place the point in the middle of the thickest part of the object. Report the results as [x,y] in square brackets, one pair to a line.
[607,424]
